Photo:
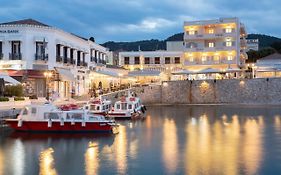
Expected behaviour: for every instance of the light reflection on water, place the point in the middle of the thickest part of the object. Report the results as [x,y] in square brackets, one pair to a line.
[172,140]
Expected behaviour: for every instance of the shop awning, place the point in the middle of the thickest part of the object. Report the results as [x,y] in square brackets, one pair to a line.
[208,71]
[108,73]
[9,79]
[182,72]
[65,74]
[141,73]
[233,70]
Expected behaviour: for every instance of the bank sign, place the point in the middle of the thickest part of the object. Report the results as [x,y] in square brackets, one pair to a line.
[9,31]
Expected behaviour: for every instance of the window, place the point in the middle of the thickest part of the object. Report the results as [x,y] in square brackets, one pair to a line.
[123,106]
[146,60]
[228,30]
[216,58]
[204,58]
[191,32]
[167,60]
[15,47]
[177,60]
[137,60]
[229,57]
[51,115]
[130,106]
[211,31]
[103,107]
[98,108]
[118,106]
[211,44]
[25,111]
[191,59]
[33,110]
[228,44]
[157,60]
[126,60]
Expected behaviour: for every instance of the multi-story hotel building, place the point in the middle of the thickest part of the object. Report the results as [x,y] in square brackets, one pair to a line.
[217,44]
[162,61]
[29,48]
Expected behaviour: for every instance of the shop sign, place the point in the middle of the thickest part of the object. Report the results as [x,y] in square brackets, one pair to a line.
[9,31]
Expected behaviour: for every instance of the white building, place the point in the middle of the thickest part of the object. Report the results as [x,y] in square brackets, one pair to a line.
[175,46]
[252,44]
[217,44]
[29,48]
[161,61]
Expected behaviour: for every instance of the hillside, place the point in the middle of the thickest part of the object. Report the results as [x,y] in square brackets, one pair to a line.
[154,44]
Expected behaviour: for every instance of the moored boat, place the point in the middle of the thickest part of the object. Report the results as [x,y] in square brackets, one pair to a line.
[98,106]
[48,118]
[128,107]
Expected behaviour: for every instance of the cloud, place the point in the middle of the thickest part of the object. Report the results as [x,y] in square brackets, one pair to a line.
[125,20]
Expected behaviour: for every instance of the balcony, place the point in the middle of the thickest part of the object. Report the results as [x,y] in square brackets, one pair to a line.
[1,56]
[15,56]
[42,57]
[208,36]
[210,49]
[72,61]
[82,64]
[209,62]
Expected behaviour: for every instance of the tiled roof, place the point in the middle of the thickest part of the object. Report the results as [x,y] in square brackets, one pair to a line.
[274,56]
[26,22]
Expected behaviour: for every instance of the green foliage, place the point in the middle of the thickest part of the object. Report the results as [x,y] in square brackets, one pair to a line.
[16,90]
[253,56]
[4,99]
[19,98]
[276,46]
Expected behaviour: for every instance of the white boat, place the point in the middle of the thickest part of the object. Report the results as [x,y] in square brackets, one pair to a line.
[128,107]
[98,106]
[49,118]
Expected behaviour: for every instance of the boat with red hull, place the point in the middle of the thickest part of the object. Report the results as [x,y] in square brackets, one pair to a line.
[48,118]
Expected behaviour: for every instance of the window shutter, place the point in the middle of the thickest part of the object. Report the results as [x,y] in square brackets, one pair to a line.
[233,43]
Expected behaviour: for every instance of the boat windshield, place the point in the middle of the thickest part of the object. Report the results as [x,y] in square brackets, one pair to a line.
[124,106]
[92,107]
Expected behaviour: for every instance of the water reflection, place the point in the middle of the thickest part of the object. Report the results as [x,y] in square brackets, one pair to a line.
[121,150]
[18,156]
[224,146]
[92,159]
[46,162]
[170,145]
[172,140]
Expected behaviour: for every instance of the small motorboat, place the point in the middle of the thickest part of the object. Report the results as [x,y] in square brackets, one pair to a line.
[128,107]
[49,118]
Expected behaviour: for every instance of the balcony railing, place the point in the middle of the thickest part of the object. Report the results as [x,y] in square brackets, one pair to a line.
[1,56]
[43,57]
[15,56]
[82,64]
[209,61]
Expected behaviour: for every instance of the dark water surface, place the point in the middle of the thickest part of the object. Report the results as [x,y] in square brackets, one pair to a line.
[171,140]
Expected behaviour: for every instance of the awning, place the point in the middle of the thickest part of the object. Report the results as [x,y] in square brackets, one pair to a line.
[141,73]
[108,73]
[182,72]
[208,71]
[9,79]
[233,70]
[65,74]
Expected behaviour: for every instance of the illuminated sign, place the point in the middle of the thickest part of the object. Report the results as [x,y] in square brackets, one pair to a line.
[9,31]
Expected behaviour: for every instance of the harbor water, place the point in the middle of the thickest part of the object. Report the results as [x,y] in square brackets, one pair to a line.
[180,139]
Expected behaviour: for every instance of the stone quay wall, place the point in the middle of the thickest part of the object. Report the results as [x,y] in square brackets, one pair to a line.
[228,91]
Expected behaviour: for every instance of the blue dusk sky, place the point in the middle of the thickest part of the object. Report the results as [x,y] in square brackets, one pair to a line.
[130,20]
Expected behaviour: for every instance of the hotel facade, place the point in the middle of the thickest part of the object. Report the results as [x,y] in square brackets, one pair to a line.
[210,49]
[29,49]
[219,44]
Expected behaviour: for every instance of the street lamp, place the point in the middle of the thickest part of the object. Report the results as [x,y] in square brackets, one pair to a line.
[48,75]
